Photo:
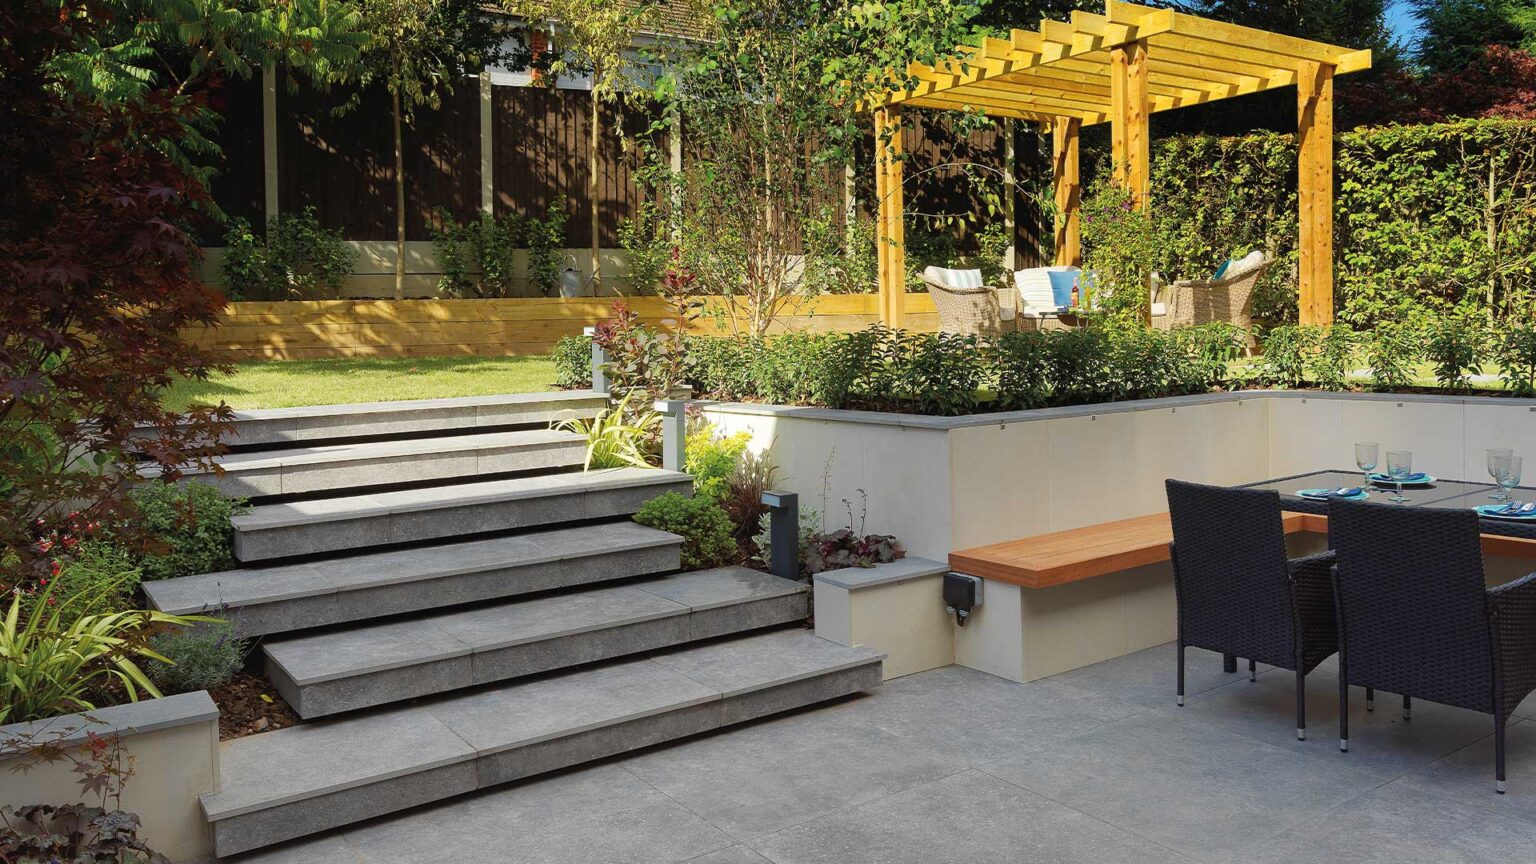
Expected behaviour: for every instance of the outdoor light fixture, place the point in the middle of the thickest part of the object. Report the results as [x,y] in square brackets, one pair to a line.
[962,593]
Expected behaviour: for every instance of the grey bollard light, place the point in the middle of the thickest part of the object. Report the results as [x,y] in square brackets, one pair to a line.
[674,432]
[783,533]
[599,363]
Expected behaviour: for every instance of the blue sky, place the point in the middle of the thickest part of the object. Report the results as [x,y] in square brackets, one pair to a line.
[1400,19]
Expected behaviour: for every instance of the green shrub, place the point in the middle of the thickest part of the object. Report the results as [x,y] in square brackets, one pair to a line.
[621,436]
[1515,353]
[1288,349]
[706,530]
[940,373]
[1454,348]
[1390,354]
[95,578]
[712,460]
[189,527]
[295,258]
[1023,370]
[201,658]
[572,356]
[545,238]
[722,368]
[1079,364]
[484,246]
[1335,357]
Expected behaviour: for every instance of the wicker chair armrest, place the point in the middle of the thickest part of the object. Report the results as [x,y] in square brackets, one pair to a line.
[1312,594]
[1512,606]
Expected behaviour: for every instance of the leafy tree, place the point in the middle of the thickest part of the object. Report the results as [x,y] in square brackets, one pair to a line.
[421,49]
[1456,32]
[592,38]
[101,115]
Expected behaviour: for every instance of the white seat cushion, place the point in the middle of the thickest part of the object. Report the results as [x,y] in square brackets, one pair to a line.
[1159,309]
[1035,294]
[1246,264]
[954,278]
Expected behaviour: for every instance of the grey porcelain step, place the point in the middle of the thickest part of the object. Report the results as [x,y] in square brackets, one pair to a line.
[305,470]
[283,598]
[326,774]
[326,673]
[270,426]
[408,516]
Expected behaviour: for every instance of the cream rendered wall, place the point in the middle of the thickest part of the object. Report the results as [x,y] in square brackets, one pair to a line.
[172,767]
[905,471]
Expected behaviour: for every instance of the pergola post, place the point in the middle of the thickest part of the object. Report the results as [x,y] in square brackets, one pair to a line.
[890,236]
[1129,117]
[1314,190]
[1065,169]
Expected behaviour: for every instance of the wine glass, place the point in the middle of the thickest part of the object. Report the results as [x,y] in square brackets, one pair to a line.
[1366,459]
[1510,476]
[1399,468]
[1497,458]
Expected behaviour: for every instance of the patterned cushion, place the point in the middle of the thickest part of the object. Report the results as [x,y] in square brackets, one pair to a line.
[1245,265]
[1035,291]
[954,278]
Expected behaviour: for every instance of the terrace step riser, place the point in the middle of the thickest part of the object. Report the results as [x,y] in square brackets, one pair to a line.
[255,430]
[440,523]
[546,655]
[345,477]
[245,832]
[353,606]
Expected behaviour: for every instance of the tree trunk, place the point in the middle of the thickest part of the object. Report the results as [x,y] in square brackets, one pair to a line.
[592,184]
[399,200]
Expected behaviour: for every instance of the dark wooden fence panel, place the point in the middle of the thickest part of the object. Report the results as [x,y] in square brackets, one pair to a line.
[239,186]
[542,140]
[343,166]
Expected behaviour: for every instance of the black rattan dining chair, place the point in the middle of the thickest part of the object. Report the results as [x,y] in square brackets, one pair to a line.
[1416,618]
[1238,592]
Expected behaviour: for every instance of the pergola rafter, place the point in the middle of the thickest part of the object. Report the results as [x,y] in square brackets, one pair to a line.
[1119,68]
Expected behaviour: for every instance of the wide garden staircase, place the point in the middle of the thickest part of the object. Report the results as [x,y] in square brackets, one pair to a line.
[452,604]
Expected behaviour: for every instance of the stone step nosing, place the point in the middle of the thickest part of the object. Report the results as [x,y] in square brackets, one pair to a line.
[666,539]
[340,454]
[593,726]
[470,755]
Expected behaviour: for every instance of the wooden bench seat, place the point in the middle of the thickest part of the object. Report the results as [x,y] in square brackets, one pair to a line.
[1059,557]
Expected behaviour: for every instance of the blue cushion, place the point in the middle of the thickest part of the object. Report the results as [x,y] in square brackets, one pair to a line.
[1061,285]
[1220,271]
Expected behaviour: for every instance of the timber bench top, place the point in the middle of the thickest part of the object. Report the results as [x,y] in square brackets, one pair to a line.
[1059,557]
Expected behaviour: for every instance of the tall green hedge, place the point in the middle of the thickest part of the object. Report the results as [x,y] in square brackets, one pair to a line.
[1427,218]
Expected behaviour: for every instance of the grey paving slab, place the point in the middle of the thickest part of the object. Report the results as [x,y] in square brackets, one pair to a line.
[321,422]
[279,598]
[1149,677]
[322,657]
[966,818]
[1466,776]
[973,718]
[1187,784]
[703,589]
[598,815]
[1397,824]
[742,665]
[729,855]
[761,778]
[1380,741]
[527,621]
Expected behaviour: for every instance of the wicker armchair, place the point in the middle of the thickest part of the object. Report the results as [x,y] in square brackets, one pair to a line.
[966,305]
[1202,301]
[1416,618]
[1239,594]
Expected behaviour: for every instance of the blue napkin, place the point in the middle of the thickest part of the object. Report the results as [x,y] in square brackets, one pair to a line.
[1415,477]
[1518,508]
[1338,492]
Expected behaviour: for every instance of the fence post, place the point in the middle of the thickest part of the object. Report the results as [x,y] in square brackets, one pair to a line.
[783,534]
[674,433]
[599,363]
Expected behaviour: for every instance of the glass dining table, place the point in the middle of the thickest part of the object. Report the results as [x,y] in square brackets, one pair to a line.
[1450,494]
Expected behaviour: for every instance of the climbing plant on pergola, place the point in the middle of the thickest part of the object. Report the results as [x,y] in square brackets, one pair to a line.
[1120,68]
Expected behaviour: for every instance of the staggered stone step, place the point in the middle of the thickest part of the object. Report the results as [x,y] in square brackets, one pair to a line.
[289,597]
[280,426]
[286,530]
[359,465]
[321,775]
[327,673]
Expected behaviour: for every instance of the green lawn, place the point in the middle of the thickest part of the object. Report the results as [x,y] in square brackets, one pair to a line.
[290,383]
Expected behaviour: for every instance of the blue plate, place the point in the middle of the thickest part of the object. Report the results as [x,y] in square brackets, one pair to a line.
[1492,512]
[1419,479]
[1322,495]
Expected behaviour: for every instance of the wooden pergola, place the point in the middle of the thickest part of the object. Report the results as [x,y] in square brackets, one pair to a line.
[1120,68]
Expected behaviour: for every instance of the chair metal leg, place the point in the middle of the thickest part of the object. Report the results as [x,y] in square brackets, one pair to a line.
[1229,663]
[1343,714]
[1253,671]
[1301,706]
[1370,699]
[1407,708]
[1498,753]
[1181,675]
